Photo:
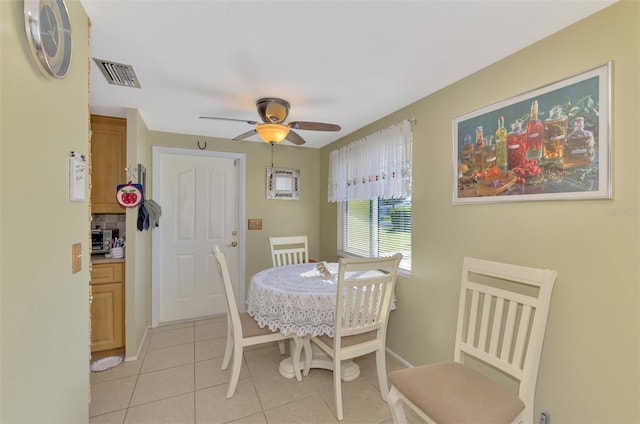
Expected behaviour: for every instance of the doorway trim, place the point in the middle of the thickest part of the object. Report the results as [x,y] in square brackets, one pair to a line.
[155,239]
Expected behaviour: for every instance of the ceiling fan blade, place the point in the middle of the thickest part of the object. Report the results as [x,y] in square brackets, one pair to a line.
[314,126]
[229,119]
[246,135]
[295,138]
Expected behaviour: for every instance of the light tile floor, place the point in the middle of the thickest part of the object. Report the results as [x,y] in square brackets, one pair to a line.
[177,379]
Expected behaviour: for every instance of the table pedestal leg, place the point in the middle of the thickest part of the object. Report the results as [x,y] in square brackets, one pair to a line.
[349,369]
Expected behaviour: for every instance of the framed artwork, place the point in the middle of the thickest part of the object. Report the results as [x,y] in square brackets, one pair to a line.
[551,143]
[283,183]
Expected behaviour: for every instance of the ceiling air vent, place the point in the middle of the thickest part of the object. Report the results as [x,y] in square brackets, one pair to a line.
[118,73]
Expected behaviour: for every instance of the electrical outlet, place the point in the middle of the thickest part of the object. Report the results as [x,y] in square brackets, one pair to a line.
[545,418]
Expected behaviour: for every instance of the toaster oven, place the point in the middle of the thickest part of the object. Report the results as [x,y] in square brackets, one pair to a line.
[101,241]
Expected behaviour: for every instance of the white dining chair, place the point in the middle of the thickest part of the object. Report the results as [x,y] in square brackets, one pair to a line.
[242,329]
[502,315]
[363,302]
[289,250]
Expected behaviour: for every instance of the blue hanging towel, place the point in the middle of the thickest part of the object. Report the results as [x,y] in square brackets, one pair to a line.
[143,218]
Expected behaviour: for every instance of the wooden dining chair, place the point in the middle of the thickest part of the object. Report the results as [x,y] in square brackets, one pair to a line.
[242,329]
[363,302]
[502,315]
[289,250]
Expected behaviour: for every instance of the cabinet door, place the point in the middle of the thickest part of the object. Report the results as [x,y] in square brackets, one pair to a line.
[106,317]
[108,160]
[107,273]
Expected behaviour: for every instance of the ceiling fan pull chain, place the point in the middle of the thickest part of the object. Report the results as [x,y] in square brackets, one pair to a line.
[272,143]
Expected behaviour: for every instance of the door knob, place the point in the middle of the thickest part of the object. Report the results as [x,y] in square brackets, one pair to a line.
[234,243]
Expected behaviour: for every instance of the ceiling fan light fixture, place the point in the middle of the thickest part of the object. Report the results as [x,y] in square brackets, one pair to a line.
[275,133]
[274,111]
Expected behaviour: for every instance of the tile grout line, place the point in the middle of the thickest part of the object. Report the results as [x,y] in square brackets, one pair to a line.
[126,411]
[194,373]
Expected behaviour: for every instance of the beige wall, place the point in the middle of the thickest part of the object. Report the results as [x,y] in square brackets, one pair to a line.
[589,371]
[44,308]
[279,217]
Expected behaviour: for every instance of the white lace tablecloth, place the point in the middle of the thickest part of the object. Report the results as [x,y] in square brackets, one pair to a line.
[295,299]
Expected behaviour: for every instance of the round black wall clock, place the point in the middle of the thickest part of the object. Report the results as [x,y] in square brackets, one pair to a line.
[49,34]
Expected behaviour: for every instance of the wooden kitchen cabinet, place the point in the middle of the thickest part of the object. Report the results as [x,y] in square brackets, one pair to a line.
[108,162]
[107,306]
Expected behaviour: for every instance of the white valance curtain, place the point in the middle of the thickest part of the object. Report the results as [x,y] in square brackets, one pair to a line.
[375,167]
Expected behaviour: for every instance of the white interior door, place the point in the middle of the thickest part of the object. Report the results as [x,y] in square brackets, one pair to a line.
[200,198]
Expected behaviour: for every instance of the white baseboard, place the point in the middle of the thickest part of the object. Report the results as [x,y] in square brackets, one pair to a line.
[399,358]
[142,342]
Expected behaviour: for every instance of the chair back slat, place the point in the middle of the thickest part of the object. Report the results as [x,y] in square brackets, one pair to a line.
[473,313]
[502,317]
[289,250]
[358,310]
[495,328]
[521,337]
[507,332]
[347,309]
[374,296]
[485,322]
[368,305]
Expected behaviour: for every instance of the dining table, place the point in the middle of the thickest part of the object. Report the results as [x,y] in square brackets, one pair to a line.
[299,300]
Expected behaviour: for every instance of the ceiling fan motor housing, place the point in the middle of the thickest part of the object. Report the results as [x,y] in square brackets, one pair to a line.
[273,109]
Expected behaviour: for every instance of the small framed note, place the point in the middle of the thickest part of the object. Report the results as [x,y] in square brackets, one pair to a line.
[77,177]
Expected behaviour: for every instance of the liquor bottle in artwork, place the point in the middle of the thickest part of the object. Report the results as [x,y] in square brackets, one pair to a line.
[555,132]
[501,145]
[480,142]
[534,133]
[516,145]
[579,146]
[468,152]
[488,154]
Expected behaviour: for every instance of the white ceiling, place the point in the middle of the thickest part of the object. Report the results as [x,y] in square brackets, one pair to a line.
[343,62]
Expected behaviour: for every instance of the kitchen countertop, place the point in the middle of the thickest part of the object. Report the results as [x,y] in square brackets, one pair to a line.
[102,259]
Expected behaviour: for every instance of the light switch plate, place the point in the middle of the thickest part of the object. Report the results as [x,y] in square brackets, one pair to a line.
[255,224]
[76,257]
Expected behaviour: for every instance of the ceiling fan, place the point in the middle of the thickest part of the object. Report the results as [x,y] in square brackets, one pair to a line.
[273,112]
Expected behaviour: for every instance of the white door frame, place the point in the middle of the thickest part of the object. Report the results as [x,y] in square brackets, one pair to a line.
[155,239]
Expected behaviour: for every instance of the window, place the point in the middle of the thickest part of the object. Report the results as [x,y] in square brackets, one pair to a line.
[379,227]
[371,181]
